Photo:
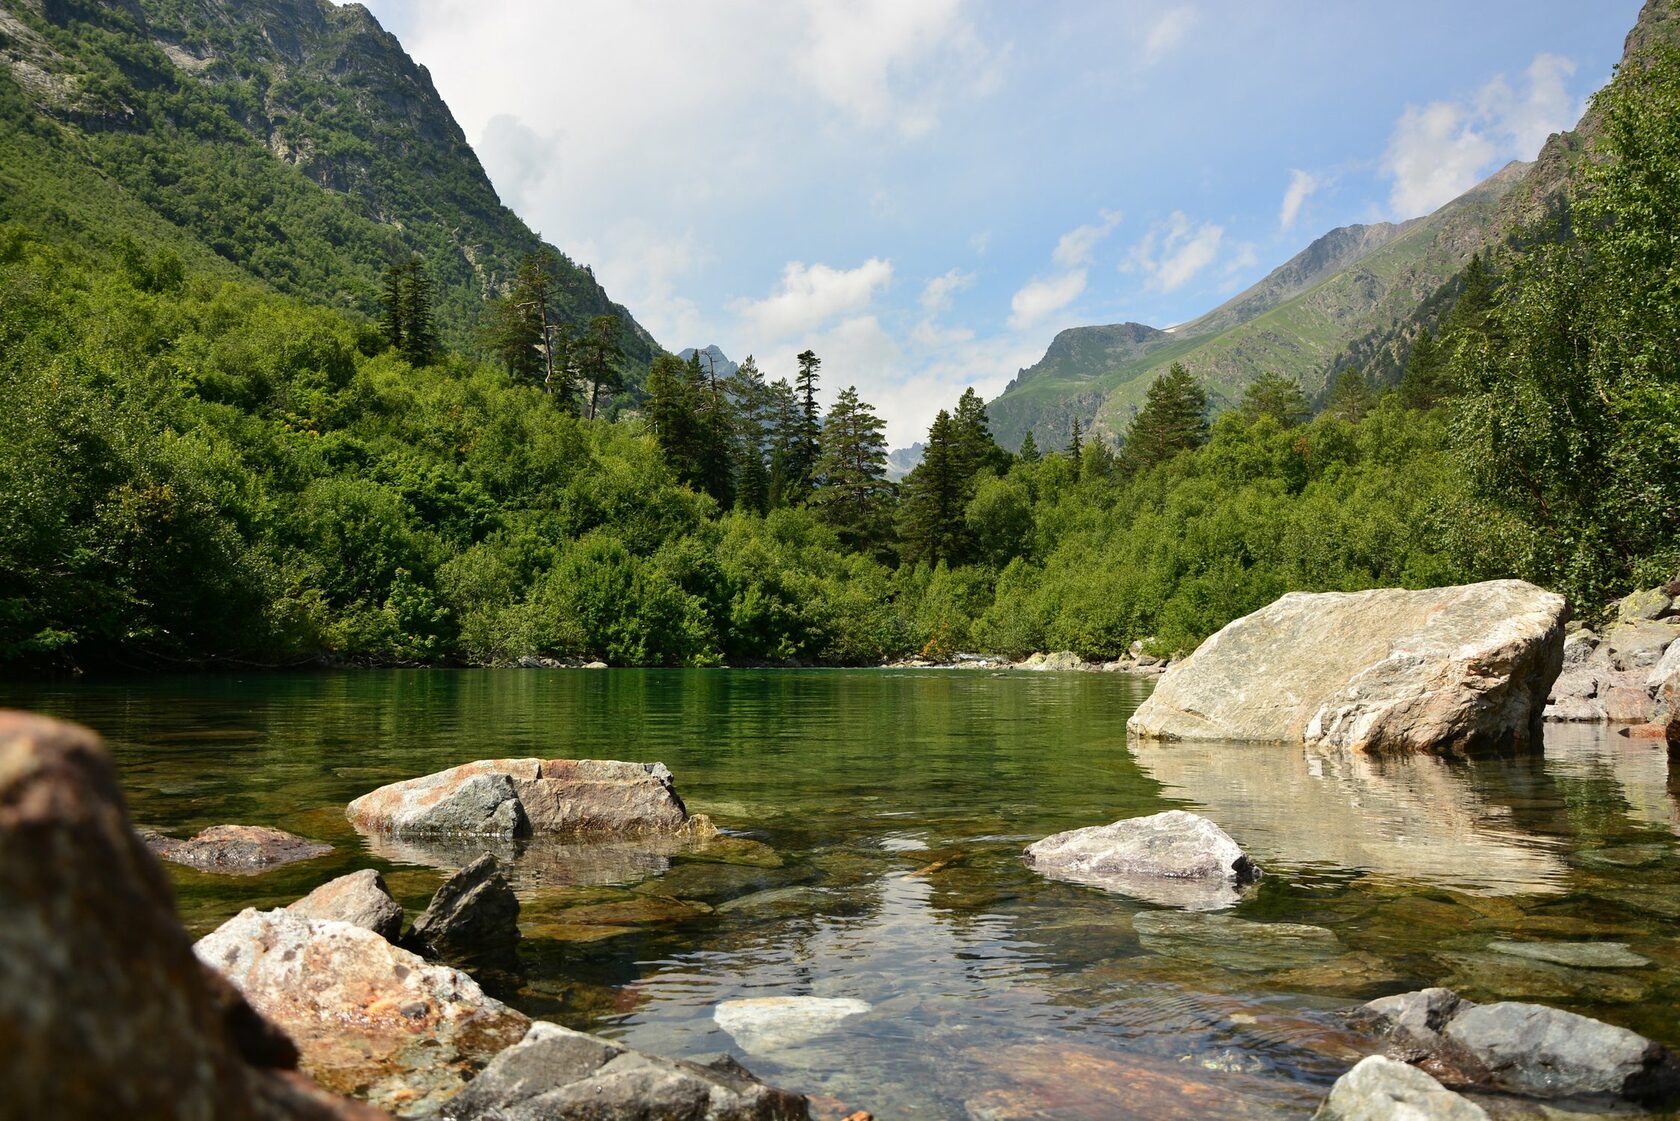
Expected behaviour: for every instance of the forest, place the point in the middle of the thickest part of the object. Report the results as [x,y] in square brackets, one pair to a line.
[196,469]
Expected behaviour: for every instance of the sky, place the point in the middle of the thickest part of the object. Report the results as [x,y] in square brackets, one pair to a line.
[925,191]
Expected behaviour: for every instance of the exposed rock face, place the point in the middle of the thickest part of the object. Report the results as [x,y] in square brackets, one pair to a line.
[473,919]
[1380,1089]
[104,1011]
[523,797]
[1621,678]
[368,1017]
[558,1073]
[360,899]
[1445,670]
[765,1024]
[1174,858]
[1525,1049]
[238,850]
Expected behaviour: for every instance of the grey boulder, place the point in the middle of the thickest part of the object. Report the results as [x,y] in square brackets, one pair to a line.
[1381,1089]
[360,899]
[1443,670]
[555,1073]
[472,920]
[237,850]
[1174,859]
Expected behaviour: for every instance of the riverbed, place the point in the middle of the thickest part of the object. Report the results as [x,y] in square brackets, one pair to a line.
[877,819]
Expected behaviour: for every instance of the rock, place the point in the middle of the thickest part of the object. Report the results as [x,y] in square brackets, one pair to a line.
[238,850]
[555,1072]
[1230,943]
[1062,1081]
[591,798]
[1526,1049]
[1584,955]
[1666,670]
[472,920]
[104,1011]
[761,1025]
[1645,606]
[1639,646]
[537,862]
[1446,670]
[1062,660]
[594,665]
[1626,704]
[368,1018]
[1578,648]
[360,899]
[1509,976]
[1174,858]
[1380,1089]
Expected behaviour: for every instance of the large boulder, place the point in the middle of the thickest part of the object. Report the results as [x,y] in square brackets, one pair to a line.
[472,920]
[1444,670]
[1381,1089]
[368,1018]
[1175,859]
[1525,1049]
[238,850]
[360,899]
[1634,647]
[104,1010]
[556,1073]
[588,798]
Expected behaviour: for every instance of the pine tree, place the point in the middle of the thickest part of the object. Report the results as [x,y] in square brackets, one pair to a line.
[1351,396]
[673,408]
[1275,396]
[977,452]
[1173,419]
[1029,449]
[419,341]
[1075,446]
[802,461]
[390,307]
[714,434]
[786,427]
[1427,376]
[749,399]
[932,526]
[516,325]
[599,355]
[853,493]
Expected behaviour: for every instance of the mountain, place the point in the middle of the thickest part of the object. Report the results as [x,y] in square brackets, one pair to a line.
[712,360]
[1351,283]
[902,461]
[290,141]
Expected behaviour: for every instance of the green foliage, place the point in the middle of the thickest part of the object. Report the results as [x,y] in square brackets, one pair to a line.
[853,494]
[1173,419]
[1275,396]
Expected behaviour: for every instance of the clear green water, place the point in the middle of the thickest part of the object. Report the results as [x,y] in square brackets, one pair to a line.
[889,810]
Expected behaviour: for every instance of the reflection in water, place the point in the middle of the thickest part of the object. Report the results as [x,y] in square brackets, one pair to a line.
[1413,818]
[531,863]
[1638,768]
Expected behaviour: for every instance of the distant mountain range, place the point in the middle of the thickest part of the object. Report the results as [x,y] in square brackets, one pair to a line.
[712,359]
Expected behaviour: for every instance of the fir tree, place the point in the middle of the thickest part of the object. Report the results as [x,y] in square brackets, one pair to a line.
[932,526]
[977,452]
[1075,445]
[419,342]
[749,400]
[1351,396]
[1029,449]
[1275,396]
[853,493]
[1173,419]
[390,307]
[599,356]
[786,425]
[516,325]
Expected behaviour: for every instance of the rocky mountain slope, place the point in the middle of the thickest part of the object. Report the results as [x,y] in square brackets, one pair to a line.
[290,140]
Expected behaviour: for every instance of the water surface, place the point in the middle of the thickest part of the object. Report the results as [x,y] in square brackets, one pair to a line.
[879,818]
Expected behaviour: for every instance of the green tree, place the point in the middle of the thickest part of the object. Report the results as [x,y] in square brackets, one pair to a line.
[977,452]
[932,526]
[1426,379]
[600,356]
[674,409]
[1173,419]
[749,399]
[516,325]
[787,433]
[1275,396]
[419,330]
[853,494]
[1351,396]
[1029,449]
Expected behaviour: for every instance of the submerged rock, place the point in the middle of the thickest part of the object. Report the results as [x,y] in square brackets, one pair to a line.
[585,798]
[1175,859]
[1526,1049]
[360,899]
[238,850]
[1583,955]
[1444,670]
[1231,943]
[555,1072]
[472,920]
[104,1010]
[369,1018]
[771,1023]
[1381,1089]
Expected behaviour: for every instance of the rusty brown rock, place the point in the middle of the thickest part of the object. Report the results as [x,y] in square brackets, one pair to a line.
[104,1010]
[588,798]
[239,850]
[368,1018]
[360,899]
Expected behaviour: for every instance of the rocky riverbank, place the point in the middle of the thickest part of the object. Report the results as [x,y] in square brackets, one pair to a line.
[1137,660]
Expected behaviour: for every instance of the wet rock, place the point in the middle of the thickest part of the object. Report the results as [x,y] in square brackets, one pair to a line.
[1639,646]
[1443,670]
[1060,661]
[558,1073]
[104,1010]
[1174,859]
[778,902]
[360,899]
[1380,1089]
[712,883]
[537,862]
[1582,955]
[368,1018]
[1231,943]
[473,919]
[237,850]
[1526,1049]
[590,798]
[1494,974]
[761,1025]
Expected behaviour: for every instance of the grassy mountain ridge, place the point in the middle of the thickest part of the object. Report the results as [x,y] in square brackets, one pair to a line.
[292,139]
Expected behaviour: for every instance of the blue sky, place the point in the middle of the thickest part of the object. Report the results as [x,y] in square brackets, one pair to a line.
[925,191]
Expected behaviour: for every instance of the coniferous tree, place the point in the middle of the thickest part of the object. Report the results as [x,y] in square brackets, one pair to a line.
[803,451]
[673,408]
[1275,396]
[516,325]
[786,427]
[1173,419]
[977,452]
[1427,376]
[853,492]
[749,400]
[1029,449]
[599,356]
[714,432]
[932,525]
[390,307]
[1075,446]
[419,342]
[1351,396]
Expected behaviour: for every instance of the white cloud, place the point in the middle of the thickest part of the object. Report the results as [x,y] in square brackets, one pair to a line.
[1439,151]
[1168,31]
[812,295]
[1076,246]
[936,296]
[1173,252]
[1302,184]
[1042,297]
